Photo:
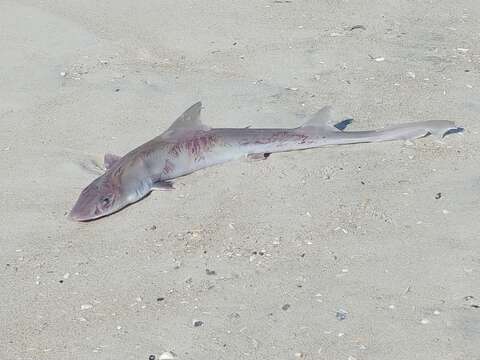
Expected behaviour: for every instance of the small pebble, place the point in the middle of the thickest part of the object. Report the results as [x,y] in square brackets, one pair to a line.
[167,355]
[411,74]
[286,307]
[436,312]
[151,357]
[210,272]
[355,27]
[341,315]
[234,315]
[197,323]
[424,321]
[63,74]
[86,306]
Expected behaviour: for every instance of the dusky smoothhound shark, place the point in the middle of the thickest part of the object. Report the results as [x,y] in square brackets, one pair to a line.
[188,145]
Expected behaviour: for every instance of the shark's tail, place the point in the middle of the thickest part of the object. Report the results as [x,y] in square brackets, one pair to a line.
[323,122]
[410,131]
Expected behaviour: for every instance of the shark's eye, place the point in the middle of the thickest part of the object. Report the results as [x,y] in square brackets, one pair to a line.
[105,201]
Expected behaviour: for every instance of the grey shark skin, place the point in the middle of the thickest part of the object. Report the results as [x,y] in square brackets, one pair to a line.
[188,145]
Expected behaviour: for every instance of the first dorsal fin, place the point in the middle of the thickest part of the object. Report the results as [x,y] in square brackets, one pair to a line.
[190,119]
[325,119]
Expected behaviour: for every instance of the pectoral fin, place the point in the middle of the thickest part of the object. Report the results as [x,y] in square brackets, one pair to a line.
[110,159]
[162,185]
[91,166]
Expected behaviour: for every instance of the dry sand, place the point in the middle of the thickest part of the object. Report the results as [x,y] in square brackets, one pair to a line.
[288,242]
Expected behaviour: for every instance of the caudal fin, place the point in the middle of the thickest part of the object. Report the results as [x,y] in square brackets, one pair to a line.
[415,130]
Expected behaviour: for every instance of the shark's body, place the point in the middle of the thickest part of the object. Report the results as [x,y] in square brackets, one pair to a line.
[188,146]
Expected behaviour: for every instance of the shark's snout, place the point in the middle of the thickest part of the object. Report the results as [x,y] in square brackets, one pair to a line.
[85,209]
[79,213]
[96,200]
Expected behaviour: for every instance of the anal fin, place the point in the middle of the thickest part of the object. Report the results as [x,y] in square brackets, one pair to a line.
[259,156]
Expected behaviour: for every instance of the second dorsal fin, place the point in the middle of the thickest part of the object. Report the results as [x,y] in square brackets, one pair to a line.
[190,119]
[325,119]
[322,119]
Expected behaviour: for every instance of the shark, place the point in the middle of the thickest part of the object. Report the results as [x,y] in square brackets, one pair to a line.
[189,145]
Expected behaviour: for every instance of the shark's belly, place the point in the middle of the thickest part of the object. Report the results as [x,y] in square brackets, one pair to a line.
[185,161]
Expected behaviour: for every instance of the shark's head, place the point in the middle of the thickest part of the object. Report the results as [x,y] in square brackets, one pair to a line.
[102,197]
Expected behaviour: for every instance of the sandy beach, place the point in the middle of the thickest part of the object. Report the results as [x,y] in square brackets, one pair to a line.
[359,252]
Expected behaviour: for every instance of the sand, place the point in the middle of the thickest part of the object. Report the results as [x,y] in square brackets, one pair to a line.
[357,252]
